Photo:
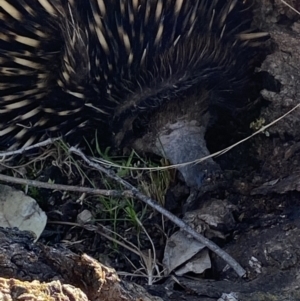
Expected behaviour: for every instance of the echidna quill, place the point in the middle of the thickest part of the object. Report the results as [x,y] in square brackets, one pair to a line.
[123,67]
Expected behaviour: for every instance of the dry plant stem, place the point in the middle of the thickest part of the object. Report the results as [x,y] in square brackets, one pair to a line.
[104,192]
[149,264]
[180,223]
[216,154]
[292,8]
[27,148]
[5,154]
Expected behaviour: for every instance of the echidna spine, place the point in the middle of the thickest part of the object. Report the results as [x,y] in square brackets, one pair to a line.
[66,64]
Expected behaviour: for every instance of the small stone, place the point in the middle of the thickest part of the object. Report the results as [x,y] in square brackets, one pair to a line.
[84,217]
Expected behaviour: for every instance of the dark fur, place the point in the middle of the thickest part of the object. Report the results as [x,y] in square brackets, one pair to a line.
[80,83]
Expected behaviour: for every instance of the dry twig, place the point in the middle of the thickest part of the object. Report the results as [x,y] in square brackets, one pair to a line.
[104,192]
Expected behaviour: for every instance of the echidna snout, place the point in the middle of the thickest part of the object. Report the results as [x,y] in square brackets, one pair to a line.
[177,133]
[67,67]
[182,143]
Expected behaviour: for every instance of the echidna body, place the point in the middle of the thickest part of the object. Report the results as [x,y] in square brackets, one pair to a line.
[71,65]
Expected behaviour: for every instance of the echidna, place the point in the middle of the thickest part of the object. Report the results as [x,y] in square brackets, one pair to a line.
[123,66]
